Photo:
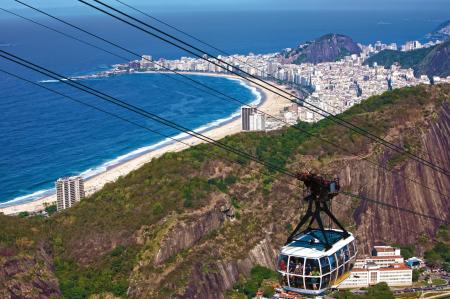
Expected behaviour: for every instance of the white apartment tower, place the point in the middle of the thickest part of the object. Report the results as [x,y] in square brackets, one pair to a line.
[69,190]
[252,120]
[257,122]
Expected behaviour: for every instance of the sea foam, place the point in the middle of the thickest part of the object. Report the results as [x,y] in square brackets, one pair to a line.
[91,172]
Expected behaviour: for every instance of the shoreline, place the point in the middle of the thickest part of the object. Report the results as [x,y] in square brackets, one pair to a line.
[269,103]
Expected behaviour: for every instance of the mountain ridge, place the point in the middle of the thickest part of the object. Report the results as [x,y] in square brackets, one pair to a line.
[327,48]
[189,224]
[432,61]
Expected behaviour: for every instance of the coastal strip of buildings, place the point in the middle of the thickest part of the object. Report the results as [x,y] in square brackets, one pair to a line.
[333,86]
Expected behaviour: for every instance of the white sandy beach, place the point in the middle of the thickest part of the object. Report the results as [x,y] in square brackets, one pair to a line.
[271,104]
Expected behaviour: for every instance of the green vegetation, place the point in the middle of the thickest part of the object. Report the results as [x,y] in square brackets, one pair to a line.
[432,61]
[415,295]
[415,275]
[96,244]
[378,291]
[51,209]
[24,214]
[407,251]
[440,295]
[438,282]
[261,278]
[109,275]
[439,255]
[409,59]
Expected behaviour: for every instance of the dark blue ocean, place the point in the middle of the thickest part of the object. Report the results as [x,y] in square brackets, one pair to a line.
[44,136]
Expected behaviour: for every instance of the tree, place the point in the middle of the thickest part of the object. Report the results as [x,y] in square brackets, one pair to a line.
[380,291]
[50,209]
[415,275]
[24,214]
[345,294]
[407,251]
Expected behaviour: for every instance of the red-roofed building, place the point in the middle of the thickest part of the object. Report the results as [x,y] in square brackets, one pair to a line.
[387,265]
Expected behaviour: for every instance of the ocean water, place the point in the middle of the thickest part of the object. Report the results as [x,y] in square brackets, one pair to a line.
[44,136]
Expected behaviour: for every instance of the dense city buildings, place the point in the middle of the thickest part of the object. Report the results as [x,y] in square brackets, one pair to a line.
[69,190]
[332,86]
[385,265]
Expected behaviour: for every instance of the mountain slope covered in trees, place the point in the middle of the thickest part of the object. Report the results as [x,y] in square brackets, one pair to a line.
[192,224]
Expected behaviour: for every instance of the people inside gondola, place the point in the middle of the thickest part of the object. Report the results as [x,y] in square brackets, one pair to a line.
[282,265]
[296,265]
[340,257]
[307,269]
[315,281]
[296,281]
[292,265]
[298,269]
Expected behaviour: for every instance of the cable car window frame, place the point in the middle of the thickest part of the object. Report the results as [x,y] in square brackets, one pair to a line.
[340,256]
[311,279]
[313,263]
[302,262]
[327,265]
[322,282]
[351,248]
[346,254]
[300,277]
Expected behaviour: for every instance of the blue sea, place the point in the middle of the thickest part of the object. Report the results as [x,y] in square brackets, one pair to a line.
[45,136]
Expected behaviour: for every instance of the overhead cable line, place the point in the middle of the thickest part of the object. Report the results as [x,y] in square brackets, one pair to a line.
[378,202]
[135,123]
[208,89]
[142,112]
[137,110]
[230,67]
[197,39]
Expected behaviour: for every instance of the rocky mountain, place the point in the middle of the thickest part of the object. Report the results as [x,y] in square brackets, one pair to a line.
[432,61]
[192,224]
[330,47]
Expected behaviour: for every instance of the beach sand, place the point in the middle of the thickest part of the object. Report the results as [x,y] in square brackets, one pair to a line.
[271,104]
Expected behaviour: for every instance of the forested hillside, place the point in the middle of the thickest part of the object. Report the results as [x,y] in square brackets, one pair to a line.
[193,224]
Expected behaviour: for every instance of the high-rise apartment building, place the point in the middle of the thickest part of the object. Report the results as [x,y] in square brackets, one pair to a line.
[245,117]
[69,190]
[252,120]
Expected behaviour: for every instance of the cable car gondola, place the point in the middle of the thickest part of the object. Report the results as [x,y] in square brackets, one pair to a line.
[316,259]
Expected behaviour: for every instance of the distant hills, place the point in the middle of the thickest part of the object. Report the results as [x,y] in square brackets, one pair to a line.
[328,48]
[442,32]
[433,61]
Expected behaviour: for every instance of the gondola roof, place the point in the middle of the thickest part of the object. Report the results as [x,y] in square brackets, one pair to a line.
[311,244]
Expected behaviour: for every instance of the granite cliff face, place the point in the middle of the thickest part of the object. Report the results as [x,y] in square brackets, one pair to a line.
[330,47]
[188,225]
[27,276]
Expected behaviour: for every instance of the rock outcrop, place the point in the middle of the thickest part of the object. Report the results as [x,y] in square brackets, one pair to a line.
[330,47]
[28,276]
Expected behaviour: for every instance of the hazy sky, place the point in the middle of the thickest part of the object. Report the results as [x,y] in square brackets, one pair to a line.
[252,4]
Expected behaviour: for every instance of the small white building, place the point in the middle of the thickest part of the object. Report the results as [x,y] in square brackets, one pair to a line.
[385,265]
